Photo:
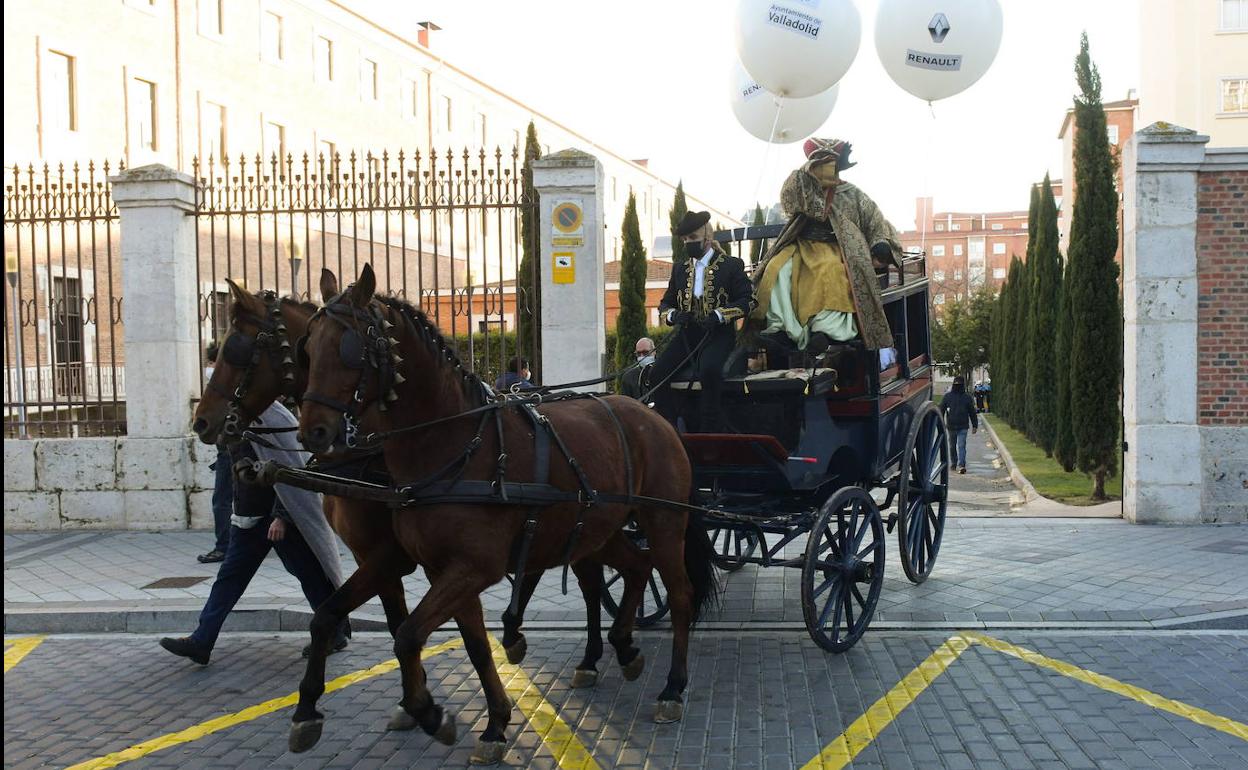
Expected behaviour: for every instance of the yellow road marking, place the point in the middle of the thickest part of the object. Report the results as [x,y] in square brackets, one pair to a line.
[569,752]
[16,649]
[867,727]
[202,729]
[1109,684]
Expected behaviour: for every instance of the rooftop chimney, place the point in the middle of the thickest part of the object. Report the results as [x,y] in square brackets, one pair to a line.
[422,34]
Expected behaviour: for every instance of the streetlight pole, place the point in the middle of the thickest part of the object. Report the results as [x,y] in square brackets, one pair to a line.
[10,273]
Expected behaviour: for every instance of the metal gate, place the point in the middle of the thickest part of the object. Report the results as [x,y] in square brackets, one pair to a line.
[442,230]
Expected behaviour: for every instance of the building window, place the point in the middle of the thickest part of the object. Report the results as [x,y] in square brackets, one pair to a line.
[273,37]
[323,53]
[955,226]
[212,130]
[515,136]
[939,275]
[1113,135]
[411,95]
[212,17]
[615,191]
[220,315]
[957,249]
[957,275]
[61,93]
[67,320]
[940,228]
[998,248]
[143,114]
[368,79]
[1235,95]
[275,141]
[939,299]
[959,297]
[938,251]
[481,127]
[998,226]
[1234,15]
[447,106]
[998,272]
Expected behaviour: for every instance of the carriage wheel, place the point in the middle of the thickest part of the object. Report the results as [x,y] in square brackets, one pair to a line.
[732,546]
[653,607]
[845,552]
[923,492]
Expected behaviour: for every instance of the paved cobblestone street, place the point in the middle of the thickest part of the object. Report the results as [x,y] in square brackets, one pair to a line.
[755,700]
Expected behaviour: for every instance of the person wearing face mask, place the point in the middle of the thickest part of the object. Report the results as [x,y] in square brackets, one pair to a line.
[705,296]
[817,285]
[636,381]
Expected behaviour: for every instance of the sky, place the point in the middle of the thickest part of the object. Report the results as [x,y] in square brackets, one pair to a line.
[649,79]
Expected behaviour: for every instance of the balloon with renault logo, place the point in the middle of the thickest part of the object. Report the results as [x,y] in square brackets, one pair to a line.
[797,48]
[775,119]
[937,48]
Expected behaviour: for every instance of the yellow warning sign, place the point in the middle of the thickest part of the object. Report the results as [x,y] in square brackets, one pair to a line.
[563,267]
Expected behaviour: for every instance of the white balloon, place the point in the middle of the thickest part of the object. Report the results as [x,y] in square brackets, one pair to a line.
[797,48]
[937,48]
[771,118]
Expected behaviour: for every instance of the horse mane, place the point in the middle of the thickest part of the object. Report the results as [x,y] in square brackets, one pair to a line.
[443,351]
[289,301]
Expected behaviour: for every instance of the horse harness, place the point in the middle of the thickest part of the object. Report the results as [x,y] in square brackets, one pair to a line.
[244,351]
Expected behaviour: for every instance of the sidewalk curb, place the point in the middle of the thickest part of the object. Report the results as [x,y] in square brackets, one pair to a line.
[1020,481]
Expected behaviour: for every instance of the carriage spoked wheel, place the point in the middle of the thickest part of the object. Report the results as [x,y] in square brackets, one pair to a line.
[923,492]
[653,607]
[732,547]
[843,570]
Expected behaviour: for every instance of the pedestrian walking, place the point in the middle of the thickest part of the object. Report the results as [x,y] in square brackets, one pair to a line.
[222,484]
[282,518]
[959,412]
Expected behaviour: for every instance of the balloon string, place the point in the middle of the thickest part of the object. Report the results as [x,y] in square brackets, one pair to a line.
[927,178]
[762,171]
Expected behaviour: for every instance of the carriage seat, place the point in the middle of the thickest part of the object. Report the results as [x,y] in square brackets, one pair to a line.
[806,381]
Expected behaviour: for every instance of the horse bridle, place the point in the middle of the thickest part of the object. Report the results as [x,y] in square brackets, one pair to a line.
[370,352]
[244,351]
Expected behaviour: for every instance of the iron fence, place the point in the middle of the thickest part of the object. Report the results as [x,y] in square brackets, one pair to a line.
[64,366]
[442,230]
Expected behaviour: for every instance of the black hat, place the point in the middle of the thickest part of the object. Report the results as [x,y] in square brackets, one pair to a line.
[692,222]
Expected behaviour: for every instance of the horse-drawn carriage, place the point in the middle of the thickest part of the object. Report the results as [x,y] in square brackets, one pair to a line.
[803,451]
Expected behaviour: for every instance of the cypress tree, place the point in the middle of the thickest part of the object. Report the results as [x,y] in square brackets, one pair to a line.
[529,279]
[674,215]
[756,247]
[1046,269]
[1033,222]
[1018,349]
[1096,319]
[1009,338]
[630,325]
[1064,431]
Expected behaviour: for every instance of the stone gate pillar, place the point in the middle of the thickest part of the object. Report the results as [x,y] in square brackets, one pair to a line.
[160,311]
[574,333]
[1162,465]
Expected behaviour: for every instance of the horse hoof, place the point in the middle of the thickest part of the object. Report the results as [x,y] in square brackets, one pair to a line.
[668,711]
[304,735]
[446,731]
[488,752]
[633,669]
[584,677]
[517,651]
[401,721]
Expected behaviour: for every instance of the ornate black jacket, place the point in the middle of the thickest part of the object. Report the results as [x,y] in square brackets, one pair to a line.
[726,288]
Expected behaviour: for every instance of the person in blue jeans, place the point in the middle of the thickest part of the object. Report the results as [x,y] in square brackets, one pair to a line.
[260,524]
[958,408]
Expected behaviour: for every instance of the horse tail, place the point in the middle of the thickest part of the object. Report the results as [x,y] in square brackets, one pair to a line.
[700,567]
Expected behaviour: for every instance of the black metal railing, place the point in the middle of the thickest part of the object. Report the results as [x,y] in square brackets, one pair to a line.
[64,370]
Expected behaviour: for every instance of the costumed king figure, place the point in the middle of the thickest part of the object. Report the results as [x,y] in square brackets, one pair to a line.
[818,285]
[705,296]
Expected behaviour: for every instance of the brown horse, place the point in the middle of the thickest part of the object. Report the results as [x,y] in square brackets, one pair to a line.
[612,446]
[251,372]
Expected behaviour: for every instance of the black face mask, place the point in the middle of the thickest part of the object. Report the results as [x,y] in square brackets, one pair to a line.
[694,250]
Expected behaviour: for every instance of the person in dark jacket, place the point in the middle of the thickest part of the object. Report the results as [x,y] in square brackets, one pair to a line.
[959,410]
[635,382]
[705,297]
[517,375]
